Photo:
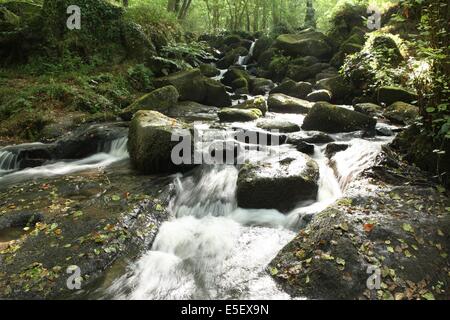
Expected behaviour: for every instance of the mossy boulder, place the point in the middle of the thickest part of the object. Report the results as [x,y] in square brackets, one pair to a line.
[189,111]
[259,86]
[150,142]
[209,70]
[369,108]
[278,185]
[333,119]
[239,115]
[294,89]
[305,72]
[389,95]
[255,103]
[341,90]
[235,73]
[282,103]
[193,86]
[266,57]
[401,113]
[310,43]
[320,95]
[261,45]
[160,100]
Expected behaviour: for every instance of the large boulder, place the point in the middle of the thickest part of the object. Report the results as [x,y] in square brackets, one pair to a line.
[401,113]
[310,43]
[305,72]
[239,115]
[193,86]
[320,95]
[260,86]
[232,57]
[282,103]
[294,89]
[278,185]
[261,45]
[333,119]
[209,70]
[369,108]
[389,95]
[150,142]
[341,90]
[160,100]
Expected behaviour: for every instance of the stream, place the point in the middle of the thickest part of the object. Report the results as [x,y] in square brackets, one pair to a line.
[213,249]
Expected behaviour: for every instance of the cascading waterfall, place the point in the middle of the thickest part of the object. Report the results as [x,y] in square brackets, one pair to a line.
[109,153]
[8,162]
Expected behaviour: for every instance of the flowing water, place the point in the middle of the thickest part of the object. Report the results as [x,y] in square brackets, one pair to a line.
[108,153]
[215,250]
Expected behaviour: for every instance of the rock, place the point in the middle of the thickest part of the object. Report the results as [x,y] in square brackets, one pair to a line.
[88,140]
[193,111]
[341,90]
[304,147]
[232,57]
[150,142]
[300,138]
[369,109]
[239,115]
[401,113]
[266,58]
[333,119]
[282,103]
[232,39]
[233,74]
[209,70]
[190,84]
[293,89]
[256,103]
[30,155]
[280,185]
[389,95]
[313,43]
[260,86]
[334,248]
[160,100]
[215,94]
[302,73]
[193,86]
[333,148]
[319,95]
[261,45]
[282,126]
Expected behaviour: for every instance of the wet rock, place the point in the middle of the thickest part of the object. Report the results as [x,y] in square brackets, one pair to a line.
[193,111]
[345,244]
[160,100]
[31,154]
[293,89]
[315,138]
[282,126]
[262,44]
[310,43]
[232,57]
[256,103]
[401,113]
[279,185]
[303,147]
[260,86]
[390,95]
[320,95]
[88,140]
[285,104]
[150,142]
[215,94]
[333,119]
[333,148]
[239,115]
[20,219]
[369,109]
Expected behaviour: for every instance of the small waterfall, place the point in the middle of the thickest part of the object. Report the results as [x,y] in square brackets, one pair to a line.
[8,161]
[117,147]
[250,53]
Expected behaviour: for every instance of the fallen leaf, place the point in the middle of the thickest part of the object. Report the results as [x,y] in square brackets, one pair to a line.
[368,227]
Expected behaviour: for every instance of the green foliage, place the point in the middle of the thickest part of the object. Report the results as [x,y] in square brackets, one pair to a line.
[140,77]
